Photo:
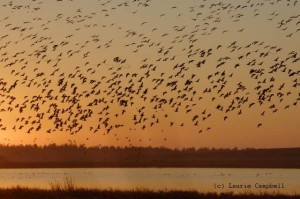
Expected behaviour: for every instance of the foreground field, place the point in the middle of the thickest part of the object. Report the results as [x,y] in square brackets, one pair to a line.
[62,193]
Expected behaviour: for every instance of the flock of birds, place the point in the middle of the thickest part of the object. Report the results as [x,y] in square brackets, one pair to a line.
[83,68]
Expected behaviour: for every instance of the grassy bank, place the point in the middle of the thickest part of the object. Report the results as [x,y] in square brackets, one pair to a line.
[19,193]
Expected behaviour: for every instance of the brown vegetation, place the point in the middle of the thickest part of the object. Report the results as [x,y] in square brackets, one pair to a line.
[78,193]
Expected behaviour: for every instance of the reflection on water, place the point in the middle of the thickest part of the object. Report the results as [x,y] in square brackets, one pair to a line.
[200,179]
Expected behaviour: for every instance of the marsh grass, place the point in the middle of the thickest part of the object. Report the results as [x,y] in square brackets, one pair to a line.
[67,185]
[80,193]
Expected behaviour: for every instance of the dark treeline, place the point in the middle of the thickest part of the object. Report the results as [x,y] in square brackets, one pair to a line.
[33,156]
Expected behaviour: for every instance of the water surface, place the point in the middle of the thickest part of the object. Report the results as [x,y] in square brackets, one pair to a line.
[200,179]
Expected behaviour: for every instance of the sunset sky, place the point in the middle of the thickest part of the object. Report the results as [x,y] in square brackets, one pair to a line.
[169,73]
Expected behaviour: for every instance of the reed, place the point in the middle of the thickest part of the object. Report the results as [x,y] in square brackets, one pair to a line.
[69,191]
[67,185]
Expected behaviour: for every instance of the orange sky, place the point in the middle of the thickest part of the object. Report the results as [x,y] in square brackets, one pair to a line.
[48,48]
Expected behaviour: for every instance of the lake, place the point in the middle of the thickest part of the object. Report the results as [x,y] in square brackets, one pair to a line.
[200,179]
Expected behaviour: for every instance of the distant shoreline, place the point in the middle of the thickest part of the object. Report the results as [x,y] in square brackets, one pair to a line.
[72,166]
[70,156]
